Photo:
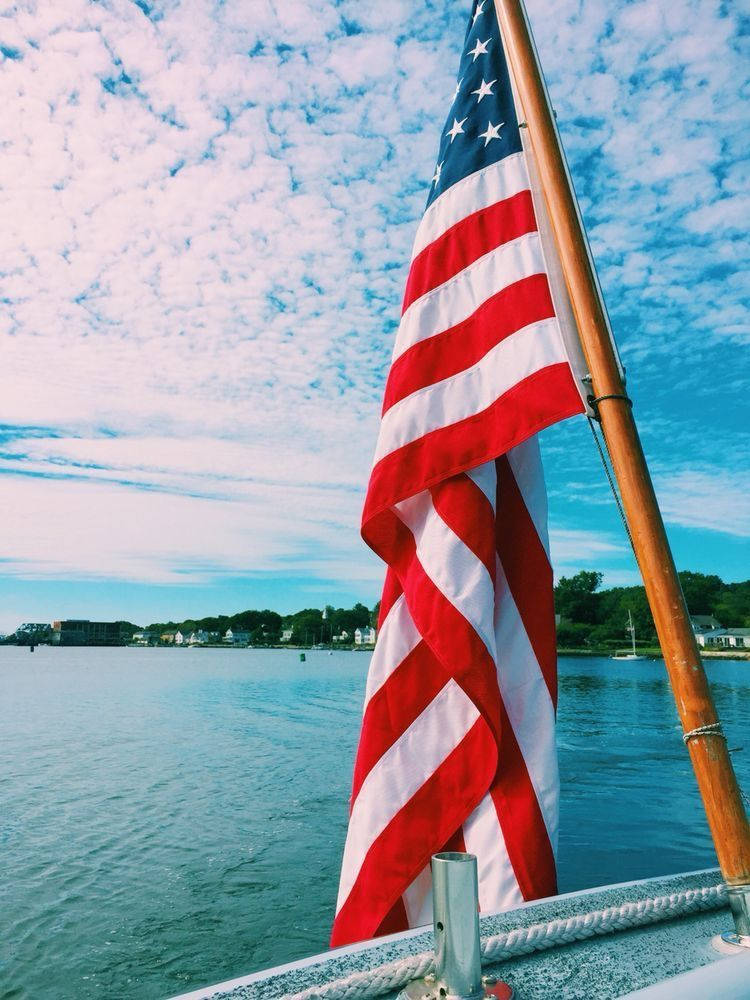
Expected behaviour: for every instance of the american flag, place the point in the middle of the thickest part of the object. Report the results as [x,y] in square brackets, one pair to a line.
[457,749]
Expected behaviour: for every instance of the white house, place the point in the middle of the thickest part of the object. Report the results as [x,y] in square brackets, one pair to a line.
[343,636]
[235,637]
[286,634]
[199,638]
[365,636]
[735,638]
[704,623]
[144,638]
[181,638]
[710,637]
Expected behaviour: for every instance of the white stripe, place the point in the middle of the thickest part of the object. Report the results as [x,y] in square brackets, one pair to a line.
[485,477]
[479,190]
[418,899]
[483,836]
[528,703]
[444,403]
[398,637]
[456,299]
[451,565]
[526,462]
[401,772]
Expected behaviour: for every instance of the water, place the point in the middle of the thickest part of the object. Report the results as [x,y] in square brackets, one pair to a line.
[171,818]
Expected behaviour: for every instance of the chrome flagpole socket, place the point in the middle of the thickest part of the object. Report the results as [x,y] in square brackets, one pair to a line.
[455,918]
[739,904]
[458,960]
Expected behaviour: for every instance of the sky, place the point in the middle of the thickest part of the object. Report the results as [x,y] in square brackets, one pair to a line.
[207,215]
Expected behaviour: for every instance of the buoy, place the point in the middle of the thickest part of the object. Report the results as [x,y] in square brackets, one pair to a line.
[302,657]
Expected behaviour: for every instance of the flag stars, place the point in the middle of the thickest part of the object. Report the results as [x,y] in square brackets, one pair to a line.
[438,171]
[458,88]
[480,49]
[484,89]
[478,13]
[456,128]
[493,132]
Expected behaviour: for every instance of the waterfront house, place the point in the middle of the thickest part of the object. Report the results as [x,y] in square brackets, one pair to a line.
[181,638]
[343,636]
[167,637]
[710,638]
[199,638]
[286,634]
[145,638]
[704,623]
[365,636]
[736,638]
[236,637]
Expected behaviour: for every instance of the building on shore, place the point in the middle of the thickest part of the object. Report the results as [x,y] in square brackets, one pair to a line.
[365,636]
[236,637]
[81,632]
[144,638]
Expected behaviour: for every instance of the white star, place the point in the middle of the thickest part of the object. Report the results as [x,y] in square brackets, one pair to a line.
[458,87]
[438,169]
[493,132]
[484,90]
[480,49]
[479,11]
[456,129]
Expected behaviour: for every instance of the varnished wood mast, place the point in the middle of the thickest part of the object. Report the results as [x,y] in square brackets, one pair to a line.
[711,762]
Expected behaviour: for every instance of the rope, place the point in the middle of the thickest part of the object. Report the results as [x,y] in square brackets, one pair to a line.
[610,480]
[376,982]
[714,729]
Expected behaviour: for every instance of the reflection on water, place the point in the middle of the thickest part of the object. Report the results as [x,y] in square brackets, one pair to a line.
[170,818]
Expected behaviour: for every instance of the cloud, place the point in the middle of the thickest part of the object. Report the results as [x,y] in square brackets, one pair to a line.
[712,498]
[207,214]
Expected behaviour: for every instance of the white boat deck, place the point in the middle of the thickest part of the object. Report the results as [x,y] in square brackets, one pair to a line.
[599,968]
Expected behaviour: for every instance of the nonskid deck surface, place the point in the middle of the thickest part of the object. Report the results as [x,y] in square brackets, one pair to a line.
[600,968]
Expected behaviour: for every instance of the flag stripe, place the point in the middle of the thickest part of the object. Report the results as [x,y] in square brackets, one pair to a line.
[387,868]
[454,301]
[522,303]
[483,834]
[494,183]
[525,566]
[524,353]
[529,406]
[467,241]
[398,637]
[410,688]
[436,731]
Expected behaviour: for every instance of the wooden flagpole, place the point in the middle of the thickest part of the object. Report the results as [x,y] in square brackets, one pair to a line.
[707,747]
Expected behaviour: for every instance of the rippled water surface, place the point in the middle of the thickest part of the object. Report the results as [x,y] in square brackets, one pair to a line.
[170,818]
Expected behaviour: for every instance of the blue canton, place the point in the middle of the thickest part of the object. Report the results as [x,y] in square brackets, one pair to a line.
[482,126]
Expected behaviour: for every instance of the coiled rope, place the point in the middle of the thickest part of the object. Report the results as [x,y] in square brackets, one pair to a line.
[376,982]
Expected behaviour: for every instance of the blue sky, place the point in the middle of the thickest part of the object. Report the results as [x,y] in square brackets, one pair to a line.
[207,215]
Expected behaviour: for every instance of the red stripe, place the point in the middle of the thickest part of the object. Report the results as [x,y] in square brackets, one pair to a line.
[437,358]
[395,705]
[541,399]
[442,626]
[418,830]
[528,572]
[467,241]
[525,832]
[391,593]
[469,514]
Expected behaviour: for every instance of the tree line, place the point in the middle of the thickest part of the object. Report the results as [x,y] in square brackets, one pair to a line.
[308,626]
[593,617]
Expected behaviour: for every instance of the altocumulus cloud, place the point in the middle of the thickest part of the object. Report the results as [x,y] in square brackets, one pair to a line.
[207,213]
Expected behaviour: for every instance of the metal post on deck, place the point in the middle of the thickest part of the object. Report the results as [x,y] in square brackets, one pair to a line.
[455,902]
[458,956]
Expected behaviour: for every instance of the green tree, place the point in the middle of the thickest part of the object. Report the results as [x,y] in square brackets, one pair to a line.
[576,599]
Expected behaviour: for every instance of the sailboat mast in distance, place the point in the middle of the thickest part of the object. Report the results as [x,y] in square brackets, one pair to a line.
[702,731]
